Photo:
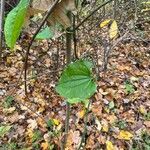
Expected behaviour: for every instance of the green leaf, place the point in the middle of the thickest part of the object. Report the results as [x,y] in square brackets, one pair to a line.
[4,130]
[36,136]
[45,34]
[77,83]
[129,88]
[14,23]
[122,124]
[111,105]
[8,101]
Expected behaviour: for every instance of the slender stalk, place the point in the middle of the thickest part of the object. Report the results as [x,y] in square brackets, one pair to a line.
[74,38]
[114,9]
[31,42]
[2,4]
[104,9]
[68,59]
[85,127]
[94,11]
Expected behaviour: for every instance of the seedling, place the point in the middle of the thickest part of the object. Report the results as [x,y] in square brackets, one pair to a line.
[142,143]
[36,136]
[147,116]
[122,124]
[8,101]
[129,88]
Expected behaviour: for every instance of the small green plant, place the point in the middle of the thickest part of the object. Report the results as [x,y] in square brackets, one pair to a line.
[121,124]
[111,105]
[36,146]
[4,129]
[8,101]
[9,146]
[147,116]
[142,143]
[50,123]
[36,136]
[129,88]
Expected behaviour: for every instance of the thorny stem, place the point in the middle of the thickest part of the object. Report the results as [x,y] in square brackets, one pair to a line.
[33,38]
[85,127]
[2,4]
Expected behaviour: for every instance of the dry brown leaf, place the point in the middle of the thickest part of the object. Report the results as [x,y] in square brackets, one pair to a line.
[32,124]
[13,118]
[45,146]
[9,110]
[59,13]
[147,124]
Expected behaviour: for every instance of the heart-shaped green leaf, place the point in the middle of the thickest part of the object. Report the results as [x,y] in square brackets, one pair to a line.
[77,83]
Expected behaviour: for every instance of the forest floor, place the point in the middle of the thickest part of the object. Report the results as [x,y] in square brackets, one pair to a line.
[119,115]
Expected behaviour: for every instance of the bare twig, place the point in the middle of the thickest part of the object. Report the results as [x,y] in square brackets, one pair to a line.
[1,24]
[84,20]
[85,127]
[33,38]
[74,38]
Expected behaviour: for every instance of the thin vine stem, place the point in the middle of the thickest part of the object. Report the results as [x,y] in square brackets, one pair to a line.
[1,25]
[93,12]
[31,42]
[85,127]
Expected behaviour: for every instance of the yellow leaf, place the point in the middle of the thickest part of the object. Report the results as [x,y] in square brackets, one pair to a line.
[125,135]
[146,9]
[113,31]
[107,110]
[56,122]
[105,23]
[147,3]
[45,146]
[29,135]
[109,145]
[142,109]
[8,60]
[105,127]
[81,113]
